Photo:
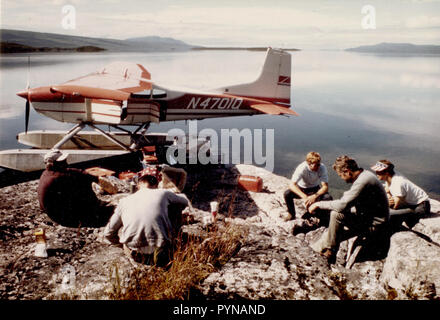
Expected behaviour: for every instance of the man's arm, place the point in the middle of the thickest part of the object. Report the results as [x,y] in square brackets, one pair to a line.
[397,202]
[178,216]
[312,198]
[111,230]
[296,189]
[323,176]
[343,203]
[178,198]
[398,194]
[296,177]
[323,190]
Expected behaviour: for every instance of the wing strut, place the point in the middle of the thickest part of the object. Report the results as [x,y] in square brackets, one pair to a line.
[78,127]
[110,137]
[137,141]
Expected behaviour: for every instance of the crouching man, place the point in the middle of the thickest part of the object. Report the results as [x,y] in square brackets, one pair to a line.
[309,182]
[147,229]
[408,202]
[66,194]
[363,209]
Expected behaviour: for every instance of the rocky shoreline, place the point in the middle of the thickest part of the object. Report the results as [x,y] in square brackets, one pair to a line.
[271,264]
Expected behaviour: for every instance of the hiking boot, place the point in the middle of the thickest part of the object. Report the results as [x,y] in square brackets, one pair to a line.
[412,221]
[306,216]
[304,227]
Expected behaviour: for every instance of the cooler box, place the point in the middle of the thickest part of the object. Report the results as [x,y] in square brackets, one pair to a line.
[151,159]
[99,172]
[127,175]
[250,183]
[149,149]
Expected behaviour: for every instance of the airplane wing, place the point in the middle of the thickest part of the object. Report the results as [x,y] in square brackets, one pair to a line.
[90,92]
[273,109]
[114,82]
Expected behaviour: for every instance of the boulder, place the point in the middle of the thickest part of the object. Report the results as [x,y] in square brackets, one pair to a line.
[412,264]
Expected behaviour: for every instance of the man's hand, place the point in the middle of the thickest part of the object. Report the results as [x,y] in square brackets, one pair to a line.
[398,202]
[188,215]
[391,202]
[115,242]
[310,200]
[312,208]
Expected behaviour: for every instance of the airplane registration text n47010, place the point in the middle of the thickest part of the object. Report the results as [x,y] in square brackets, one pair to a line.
[215,103]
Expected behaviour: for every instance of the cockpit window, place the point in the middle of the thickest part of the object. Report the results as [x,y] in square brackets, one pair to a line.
[150,94]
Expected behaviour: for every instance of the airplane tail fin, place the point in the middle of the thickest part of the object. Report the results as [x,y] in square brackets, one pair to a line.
[273,84]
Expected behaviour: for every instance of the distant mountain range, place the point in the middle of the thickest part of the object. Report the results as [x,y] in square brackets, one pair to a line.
[18,41]
[28,41]
[398,48]
[13,41]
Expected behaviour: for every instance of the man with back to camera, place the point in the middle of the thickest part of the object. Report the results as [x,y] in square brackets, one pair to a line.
[407,201]
[363,208]
[310,183]
[148,227]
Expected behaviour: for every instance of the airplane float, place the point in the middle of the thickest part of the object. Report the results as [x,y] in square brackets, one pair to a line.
[123,94]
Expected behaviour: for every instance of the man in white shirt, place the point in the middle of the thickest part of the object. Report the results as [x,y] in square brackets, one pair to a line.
[309,182]
[407,201]
[147,228]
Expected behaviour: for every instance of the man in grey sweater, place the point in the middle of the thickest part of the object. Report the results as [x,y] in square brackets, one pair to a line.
[362,209]
[147,226]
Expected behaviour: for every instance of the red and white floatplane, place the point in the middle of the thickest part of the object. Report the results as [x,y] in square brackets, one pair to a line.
[122,94]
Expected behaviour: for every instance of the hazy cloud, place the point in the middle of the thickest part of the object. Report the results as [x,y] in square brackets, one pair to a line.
[304,24]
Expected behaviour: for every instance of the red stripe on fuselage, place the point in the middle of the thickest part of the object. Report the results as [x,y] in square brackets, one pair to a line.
[267,99]
[99,113]
[112,103]
[107,115]
[66,99]
[67,111]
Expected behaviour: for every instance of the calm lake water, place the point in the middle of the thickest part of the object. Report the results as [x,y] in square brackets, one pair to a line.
[367,106]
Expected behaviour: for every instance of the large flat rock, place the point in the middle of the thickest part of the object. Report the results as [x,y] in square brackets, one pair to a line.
[272,263]
[275,264]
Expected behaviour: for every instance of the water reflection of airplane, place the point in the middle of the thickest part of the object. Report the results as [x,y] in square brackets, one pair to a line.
[122,94]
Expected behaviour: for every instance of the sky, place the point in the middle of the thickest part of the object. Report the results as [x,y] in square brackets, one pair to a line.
[313,24]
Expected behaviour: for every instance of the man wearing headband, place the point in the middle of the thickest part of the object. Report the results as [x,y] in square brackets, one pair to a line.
[147,226]
[407,201]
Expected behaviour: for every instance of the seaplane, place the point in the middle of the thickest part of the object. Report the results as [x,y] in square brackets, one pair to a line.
[123,94]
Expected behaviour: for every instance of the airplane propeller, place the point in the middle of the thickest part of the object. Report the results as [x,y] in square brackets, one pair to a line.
[26,121]
[27,106]
[25,94]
